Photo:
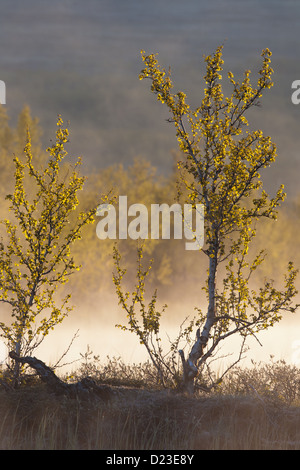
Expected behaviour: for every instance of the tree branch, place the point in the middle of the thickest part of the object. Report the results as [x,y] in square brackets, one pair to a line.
[82,389]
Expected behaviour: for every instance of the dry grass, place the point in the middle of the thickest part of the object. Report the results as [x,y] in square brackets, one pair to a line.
[254,408]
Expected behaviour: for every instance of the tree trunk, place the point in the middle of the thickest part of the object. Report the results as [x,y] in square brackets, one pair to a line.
[190,366]
[17,368]
[83,389]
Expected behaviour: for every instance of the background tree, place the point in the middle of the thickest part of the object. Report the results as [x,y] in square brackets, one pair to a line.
[35,248]
[221,168]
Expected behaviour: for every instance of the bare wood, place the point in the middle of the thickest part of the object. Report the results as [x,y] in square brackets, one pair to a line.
[84,388]
[190,366]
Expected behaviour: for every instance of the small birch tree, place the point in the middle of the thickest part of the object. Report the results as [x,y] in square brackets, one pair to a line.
[35,246]
[221,167]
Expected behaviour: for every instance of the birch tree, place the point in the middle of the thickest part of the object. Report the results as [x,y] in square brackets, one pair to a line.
[35,245]
[221,167]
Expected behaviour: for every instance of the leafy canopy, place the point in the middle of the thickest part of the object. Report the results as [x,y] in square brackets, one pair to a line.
[222,170]
[35,250]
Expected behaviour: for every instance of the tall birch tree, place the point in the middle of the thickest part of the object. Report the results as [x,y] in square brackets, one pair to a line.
[221,167]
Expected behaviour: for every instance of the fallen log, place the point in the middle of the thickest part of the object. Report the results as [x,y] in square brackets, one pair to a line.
[84,388]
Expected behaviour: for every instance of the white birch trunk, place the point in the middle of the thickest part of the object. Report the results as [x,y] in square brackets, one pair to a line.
[190,366]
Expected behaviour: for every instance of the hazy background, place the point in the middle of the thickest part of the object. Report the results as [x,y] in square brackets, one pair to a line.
[81,59]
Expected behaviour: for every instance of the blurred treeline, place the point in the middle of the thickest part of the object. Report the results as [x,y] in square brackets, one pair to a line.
[178,274]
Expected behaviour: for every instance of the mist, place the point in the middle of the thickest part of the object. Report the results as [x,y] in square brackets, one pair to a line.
[96,332]
[82,60]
